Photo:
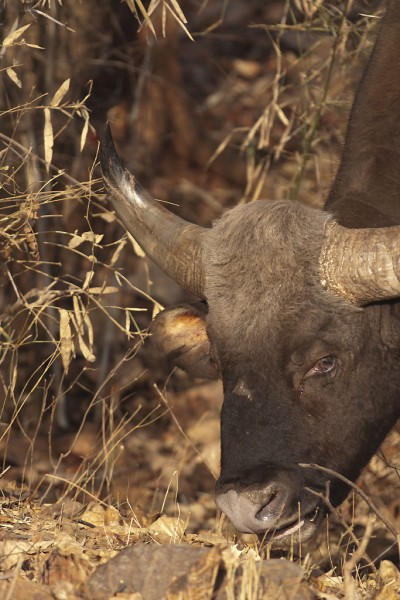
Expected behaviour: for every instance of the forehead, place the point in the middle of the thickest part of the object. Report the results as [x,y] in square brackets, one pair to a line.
[263,282]
[269,241]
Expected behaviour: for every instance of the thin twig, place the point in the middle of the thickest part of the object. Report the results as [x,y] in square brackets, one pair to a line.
[43,14]
[350,565]
[358,491]
[346,526]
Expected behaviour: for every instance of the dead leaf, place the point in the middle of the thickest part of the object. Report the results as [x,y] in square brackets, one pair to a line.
[48,138]
[15,35]
[87,236]
[14,77]
[132,5]
[78,320]
[88,278]
[84,130]
[60,93]
[108,216]
[66,341]
[138,249]
[94,514]
[12,552]
[118,250]
[107,289]
[89,328]
[112,517]
[78,314]
[173,527]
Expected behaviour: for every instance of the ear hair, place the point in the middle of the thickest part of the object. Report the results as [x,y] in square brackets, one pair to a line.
[180,333]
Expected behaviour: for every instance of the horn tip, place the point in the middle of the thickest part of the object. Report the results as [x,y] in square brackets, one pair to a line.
[114,173]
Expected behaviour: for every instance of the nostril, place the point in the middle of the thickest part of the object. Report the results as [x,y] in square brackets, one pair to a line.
[272,506]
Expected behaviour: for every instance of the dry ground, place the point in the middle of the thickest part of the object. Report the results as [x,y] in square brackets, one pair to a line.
[105,453]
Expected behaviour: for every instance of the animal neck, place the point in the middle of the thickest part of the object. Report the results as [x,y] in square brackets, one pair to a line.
[366,175]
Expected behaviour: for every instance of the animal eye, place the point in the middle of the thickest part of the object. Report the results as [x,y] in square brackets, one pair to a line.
[324,365]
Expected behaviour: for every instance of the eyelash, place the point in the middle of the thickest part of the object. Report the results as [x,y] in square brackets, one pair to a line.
[319,368]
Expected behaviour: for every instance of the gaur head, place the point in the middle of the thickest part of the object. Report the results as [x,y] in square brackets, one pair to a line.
[296,323]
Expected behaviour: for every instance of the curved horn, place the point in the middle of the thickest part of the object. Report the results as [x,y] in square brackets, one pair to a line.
[361,265]
[175,245]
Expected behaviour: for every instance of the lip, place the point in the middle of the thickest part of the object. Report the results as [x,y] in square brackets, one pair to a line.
[300,530]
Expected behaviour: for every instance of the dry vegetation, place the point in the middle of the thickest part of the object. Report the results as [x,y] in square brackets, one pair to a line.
[102,449]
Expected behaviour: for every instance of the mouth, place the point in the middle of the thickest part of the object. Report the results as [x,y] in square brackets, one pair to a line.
[300,530]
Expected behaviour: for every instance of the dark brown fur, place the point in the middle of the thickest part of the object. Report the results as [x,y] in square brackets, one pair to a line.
[271,326]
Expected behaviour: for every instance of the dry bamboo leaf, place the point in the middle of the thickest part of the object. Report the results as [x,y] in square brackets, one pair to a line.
[10,39]
[118,278]
[14,77]
[164,20]
[127,322]
[220,149]
[87,322]
[89,328]
[60,93]
[282,117]
[88,279]
[84,131]
[78,314]
[117,252]
[107,289]
[66,341]
[95,237]
[250,136]
[178,10]
[181,23]
[108,217]
[86,352]
[48,138]
[131,5]
[145,14]
[78,319]
[138,249]
[87,236]
[33,46]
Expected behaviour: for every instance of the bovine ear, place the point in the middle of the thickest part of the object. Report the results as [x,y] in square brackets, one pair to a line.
[180,334]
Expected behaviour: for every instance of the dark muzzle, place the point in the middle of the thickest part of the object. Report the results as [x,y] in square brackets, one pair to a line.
[277,509]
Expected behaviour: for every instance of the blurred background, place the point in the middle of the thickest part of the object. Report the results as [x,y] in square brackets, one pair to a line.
[211,104]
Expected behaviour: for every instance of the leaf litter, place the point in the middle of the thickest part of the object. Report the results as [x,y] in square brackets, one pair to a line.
[120,502]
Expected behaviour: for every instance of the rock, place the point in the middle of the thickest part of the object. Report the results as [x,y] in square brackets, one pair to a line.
[283,580]
[155,572]
[274,579]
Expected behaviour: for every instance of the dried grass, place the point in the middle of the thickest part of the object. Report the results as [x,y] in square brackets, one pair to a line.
[90,454]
